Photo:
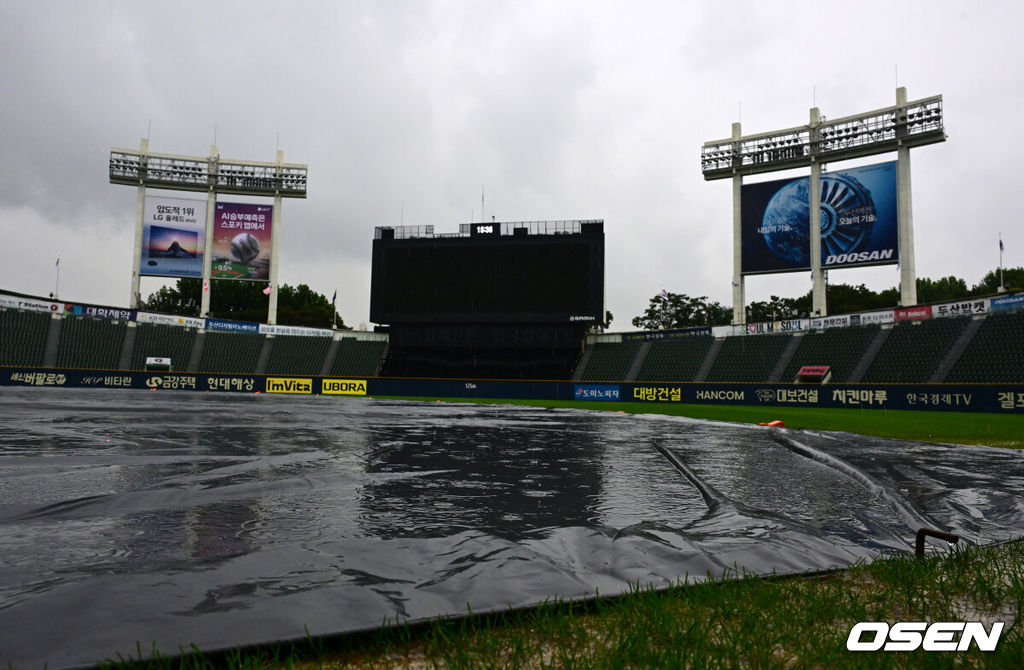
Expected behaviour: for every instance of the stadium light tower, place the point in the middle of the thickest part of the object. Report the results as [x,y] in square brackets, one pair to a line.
[892,129]
[211,175]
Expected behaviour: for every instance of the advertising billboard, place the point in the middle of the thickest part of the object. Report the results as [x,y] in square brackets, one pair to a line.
[173,237]
[858,221]
[241,241]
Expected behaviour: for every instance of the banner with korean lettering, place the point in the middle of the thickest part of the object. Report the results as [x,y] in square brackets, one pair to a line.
[858,221]
[241,241]
[173,237]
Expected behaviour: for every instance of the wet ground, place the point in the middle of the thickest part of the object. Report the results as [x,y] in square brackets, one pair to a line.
[170,519]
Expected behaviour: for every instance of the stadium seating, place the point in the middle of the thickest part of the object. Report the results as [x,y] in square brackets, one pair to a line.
[996,354]
[235,353]
[748,358]
[675,360]
[87,342]
[914,350]
[610,361]
[358,358]
[302,355]
[23,337]
[839,348]
[160,341]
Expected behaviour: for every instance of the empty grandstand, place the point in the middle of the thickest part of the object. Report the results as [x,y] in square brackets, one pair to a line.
[675,360]
[914,350]
[162,341]
[22,336]
[926,346]
[87,342]
[995,353]
[748,359]
[839,348]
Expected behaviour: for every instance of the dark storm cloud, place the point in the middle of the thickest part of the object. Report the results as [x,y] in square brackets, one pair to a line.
[405,111]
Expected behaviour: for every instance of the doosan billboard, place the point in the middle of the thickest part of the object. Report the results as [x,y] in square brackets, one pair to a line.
[858,221]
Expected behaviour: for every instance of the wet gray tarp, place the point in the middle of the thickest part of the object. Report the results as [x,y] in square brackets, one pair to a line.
[220,520]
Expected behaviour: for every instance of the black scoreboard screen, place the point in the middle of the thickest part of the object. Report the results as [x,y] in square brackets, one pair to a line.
[489,279]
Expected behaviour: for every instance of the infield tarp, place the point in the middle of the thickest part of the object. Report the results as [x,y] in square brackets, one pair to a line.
[167,519]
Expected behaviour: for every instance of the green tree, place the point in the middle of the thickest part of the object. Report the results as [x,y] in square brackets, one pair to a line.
[245,301]
[1012,278]
[678,310]
[941,290]
[775,309]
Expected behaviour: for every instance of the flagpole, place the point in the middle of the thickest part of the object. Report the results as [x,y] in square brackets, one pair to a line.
[56,288]
[1002,286]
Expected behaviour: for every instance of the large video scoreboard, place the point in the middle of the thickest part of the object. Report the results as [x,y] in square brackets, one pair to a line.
[537,272]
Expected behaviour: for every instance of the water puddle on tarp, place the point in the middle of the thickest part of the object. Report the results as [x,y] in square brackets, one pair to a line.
[172,519]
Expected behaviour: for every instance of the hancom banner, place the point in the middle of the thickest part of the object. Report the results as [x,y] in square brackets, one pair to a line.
[858,221]
[241,241]
[173,237]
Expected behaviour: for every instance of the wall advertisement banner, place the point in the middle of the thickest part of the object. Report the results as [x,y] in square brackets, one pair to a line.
[343,387]
[841,321]
[995,398]
[170,320]
[961,308]
[18,302]
[676,333]
[1007,303]
[173,237]
[232,326]
[919,313]
[788,326]
[268,329]
[100,312]
[858,221]
[596,392]
[868,318]
[241,241]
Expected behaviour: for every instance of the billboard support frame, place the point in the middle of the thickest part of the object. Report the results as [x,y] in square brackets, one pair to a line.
[896,128]
[211,175]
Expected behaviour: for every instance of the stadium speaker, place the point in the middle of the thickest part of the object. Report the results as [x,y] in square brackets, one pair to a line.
[520,232]
[592,228]
[387,233]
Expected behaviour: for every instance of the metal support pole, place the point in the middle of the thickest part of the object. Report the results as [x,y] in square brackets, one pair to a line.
[140,205]
[275,237]
[819,306]
[206,290]
[739,313]
[908,270]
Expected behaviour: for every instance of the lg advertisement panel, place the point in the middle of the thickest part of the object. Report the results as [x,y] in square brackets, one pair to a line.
[241,241]
[858,221]
[173,237]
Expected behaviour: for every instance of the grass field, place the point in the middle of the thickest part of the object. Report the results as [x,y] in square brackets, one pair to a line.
[738,622]
[996,430]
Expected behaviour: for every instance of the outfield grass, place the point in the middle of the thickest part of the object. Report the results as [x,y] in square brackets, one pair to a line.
[741,621]
[996,430]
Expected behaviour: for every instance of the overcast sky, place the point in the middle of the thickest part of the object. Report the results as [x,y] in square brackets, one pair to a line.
[405,111]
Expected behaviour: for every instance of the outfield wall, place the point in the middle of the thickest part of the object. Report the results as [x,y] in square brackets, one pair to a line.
[995,398]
